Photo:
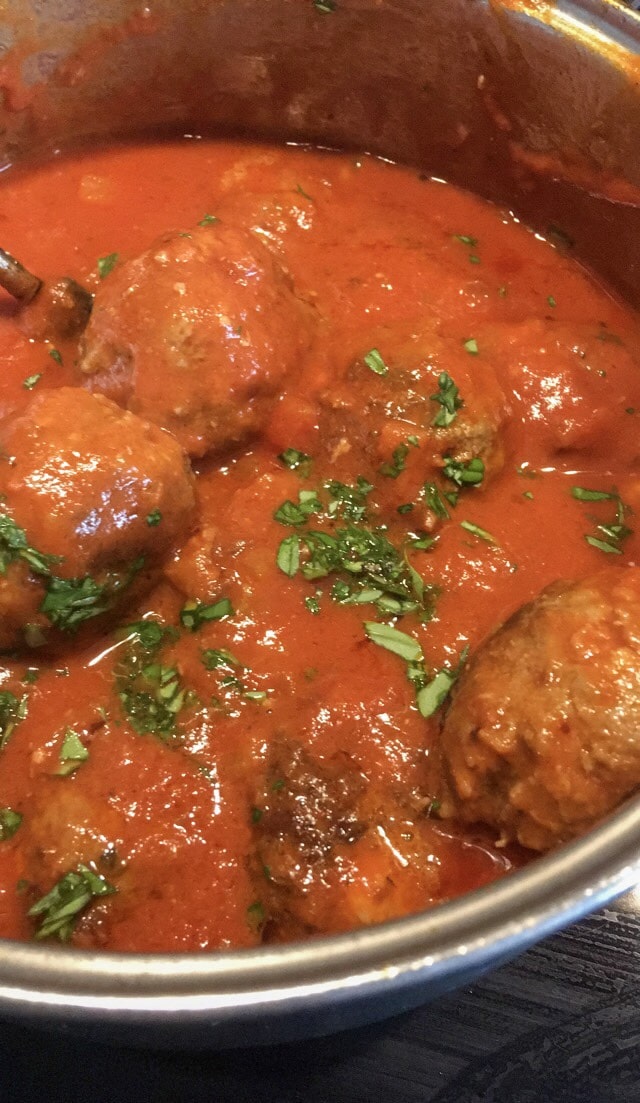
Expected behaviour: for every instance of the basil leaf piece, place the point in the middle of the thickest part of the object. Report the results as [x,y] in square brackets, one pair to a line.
[61,907]
[393,640]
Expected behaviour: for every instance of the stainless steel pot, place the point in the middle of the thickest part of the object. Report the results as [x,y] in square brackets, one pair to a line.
[535,105]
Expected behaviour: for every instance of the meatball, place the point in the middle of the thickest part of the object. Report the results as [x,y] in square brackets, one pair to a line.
[428,386]
[542,737]
[197,335]
[92,499]
[335,851]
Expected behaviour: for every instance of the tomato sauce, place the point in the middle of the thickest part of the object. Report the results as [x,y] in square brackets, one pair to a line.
[292,793]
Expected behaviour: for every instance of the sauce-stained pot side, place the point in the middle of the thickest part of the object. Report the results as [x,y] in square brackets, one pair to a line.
[253,752]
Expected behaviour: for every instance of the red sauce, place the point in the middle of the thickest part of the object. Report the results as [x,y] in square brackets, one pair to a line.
[435,281]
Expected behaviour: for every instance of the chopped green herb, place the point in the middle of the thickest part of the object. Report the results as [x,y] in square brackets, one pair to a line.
[30,382]
[325,6]
[374,361]
[256,814]
[31,675]
[14,545]
[615,531]
[471,346]
[502,292]
[294,459]
[527,494]
[433,694]
[150,692]
[584,495]
[290,513]
[551,300]
[630,410]
[55,355]
[60,909]
[474,259]
[464,474]
[71,601]
[406,507]
[288,558]
[397,464]
[196,613]
[313,605]
[213,658]
[107,264]
[12,711]
[466,240]
[208,220]
[349,501]
[256,915]
[393,640]
[72,753]
[9,823]
[448,397]
[435,501]
[475,530]
[305,195]
[154,518]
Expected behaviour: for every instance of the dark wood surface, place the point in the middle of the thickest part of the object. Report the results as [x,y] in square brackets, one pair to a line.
[559,1025]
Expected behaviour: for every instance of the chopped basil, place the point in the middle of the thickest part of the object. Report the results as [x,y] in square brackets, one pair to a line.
[9,823]
[350,501]
[612,533]
[551,300]
[196,613]
[466,239]
[434,499]
[30,382]
[406,507]
[154,518]
[471,346]
[208,220]
[325,6]
[107,264]
[292,513]
[448,397]
[393,640]
[256,915]
[398,461]
[150,692]
[475,530]
[527,494]
[72,753]
[55,355]
[12,711]
[464,474]
[60,909]
[431,695]
[256,814]
[305,195]
[213,658]
[294,459]
[313,605]
[584,495]
[14,545]
[71,601]
[374,361]
[288,558]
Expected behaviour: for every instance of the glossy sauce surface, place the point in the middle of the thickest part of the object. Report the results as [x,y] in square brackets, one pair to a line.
[293,795]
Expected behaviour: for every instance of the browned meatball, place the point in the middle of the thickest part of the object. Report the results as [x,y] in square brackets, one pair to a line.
[197,335]
[92,499]
[542,738]
[431,387]
[335,851]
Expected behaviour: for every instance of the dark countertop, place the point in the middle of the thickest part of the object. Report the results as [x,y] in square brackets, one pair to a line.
[559,1025]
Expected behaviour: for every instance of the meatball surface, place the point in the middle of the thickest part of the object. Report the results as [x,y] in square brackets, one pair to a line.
[92,499]
[197,334]
[542,737]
